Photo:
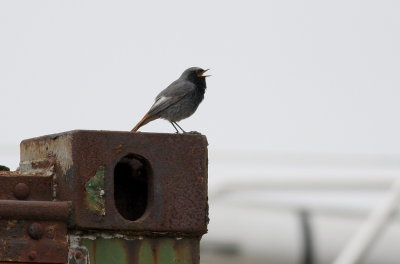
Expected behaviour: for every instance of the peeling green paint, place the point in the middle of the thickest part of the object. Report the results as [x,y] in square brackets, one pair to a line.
[106,251]
[141,251]
[95,192]
[145,252]
[167,253]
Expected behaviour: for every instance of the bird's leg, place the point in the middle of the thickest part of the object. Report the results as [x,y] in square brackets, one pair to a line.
[191,132]
[172,123]
[179,127]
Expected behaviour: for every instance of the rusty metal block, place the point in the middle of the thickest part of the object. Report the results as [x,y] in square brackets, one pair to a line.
[137,182]
[33,242]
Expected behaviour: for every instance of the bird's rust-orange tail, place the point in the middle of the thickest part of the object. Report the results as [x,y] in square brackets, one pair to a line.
[142,122]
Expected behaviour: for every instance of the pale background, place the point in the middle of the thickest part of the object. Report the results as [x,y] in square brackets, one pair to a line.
[298,88]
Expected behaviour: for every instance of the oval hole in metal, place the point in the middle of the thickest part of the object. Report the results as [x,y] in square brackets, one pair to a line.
[131,186]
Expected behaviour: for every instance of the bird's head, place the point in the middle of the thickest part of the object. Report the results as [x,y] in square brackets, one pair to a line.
[195,74]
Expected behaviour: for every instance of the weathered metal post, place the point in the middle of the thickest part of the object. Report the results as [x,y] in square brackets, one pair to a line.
[103,197]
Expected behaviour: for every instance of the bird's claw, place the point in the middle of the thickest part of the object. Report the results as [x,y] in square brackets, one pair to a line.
[193,133]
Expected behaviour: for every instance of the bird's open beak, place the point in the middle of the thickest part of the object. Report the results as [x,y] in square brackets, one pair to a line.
[202,74]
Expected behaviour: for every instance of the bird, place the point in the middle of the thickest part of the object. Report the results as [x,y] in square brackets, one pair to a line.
[179,100]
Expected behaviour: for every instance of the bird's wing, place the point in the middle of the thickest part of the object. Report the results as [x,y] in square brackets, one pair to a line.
[171,95]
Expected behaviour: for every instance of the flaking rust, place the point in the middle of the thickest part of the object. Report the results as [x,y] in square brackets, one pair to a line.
[24,241]
[175,198]
[78,255]
[95,192]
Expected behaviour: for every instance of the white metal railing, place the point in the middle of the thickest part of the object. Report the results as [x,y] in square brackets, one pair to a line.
[356,250]
[359,245]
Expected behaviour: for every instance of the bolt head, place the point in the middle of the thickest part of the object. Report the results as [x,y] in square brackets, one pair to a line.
[32,255]
[35,231]
[21,191]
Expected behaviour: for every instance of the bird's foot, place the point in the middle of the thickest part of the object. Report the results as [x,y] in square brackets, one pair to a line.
[193,133]
[4,168]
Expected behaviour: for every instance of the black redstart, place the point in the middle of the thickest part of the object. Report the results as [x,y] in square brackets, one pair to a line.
[179,100]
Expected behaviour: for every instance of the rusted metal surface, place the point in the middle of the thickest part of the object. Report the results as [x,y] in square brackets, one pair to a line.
[14,186]
[33,228]
[78,255]
[35,210]
[174,167]
[33,242]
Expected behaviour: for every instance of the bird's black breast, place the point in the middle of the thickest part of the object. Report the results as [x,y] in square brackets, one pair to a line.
[201,84]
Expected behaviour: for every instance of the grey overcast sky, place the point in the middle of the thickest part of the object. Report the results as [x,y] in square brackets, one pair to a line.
[288,76]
